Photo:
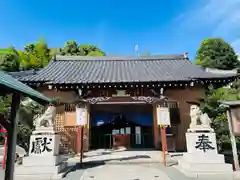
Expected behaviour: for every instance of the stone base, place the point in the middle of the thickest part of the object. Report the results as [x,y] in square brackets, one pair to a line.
[43,162]
[200,129]
[44,130]
[202,159]
[36,168]
[205,166]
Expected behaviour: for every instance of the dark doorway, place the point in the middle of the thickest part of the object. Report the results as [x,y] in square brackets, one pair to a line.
[120,119]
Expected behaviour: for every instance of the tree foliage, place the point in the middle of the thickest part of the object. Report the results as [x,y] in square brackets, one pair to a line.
[28,110]
[35,56]
[216,53]
[10,61]
[71,48]
[210,104]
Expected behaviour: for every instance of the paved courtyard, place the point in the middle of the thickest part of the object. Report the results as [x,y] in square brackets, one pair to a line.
[122,165]
[126,165]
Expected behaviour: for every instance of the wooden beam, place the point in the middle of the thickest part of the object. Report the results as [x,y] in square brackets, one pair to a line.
[155,128]
[12,137]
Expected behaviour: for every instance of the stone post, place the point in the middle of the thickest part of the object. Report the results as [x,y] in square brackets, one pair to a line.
[44,161]
[202,159]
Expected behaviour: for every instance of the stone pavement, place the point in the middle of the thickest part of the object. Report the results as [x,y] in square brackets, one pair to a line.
[132,165]
[109,156]
[131,172]
[1,174]
[122,165]
[124,172]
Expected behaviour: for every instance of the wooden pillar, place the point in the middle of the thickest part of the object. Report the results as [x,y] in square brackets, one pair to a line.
[78,138]
[12,137]
[85,132]
[155,128]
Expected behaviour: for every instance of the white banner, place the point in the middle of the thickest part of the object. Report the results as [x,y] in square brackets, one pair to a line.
[163,116]
[138,134]
[81,116]
[128,130]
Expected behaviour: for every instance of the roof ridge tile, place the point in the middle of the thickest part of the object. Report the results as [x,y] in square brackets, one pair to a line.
[119,58]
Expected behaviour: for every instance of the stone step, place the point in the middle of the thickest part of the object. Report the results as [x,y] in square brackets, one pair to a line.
[32,170]
[39,177]
[44,176]
[204,158]
[205,167]
[208,175]
[42,160]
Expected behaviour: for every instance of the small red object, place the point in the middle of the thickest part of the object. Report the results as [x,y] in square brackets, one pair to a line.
[5,151]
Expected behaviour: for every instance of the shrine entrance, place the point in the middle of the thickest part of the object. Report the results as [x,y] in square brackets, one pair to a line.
[127,125]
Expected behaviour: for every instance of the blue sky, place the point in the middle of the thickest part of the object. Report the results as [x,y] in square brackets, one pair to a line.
[157,26]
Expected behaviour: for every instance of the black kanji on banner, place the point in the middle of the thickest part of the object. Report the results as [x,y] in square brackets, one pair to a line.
[40,145]
[203,143]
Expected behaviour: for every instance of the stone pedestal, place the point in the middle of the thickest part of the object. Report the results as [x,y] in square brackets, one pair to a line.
[202,159]
[43,161]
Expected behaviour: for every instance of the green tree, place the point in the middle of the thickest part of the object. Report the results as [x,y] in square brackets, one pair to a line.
[42,53]
[35,56]
[89,49]
[96,53]
[10,61]
[25,60]
[5,101]
[216,53]
[71,48]
[29,48]
[210,104]
[27,112]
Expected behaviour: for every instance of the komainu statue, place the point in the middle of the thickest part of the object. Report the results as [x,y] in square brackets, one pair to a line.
[205,120]
[194,114]
[47,119]
[197,115]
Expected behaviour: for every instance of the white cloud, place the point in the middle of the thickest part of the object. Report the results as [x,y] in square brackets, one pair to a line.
[216,18]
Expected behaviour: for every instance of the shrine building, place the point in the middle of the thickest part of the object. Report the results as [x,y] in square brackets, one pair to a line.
[120,96]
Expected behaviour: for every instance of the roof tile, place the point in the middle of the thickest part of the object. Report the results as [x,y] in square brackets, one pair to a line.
[103,69]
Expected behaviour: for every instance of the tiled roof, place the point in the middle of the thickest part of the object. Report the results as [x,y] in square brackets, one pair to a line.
[231,103]
[104,69]
[12,84]
[18,74]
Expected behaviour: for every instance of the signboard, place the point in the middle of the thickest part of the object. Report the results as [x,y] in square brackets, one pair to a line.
[163,116]
[122,131]
[138,135]
[115,131]
[120,93]
[128,130]
[81,116]
[235,114]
